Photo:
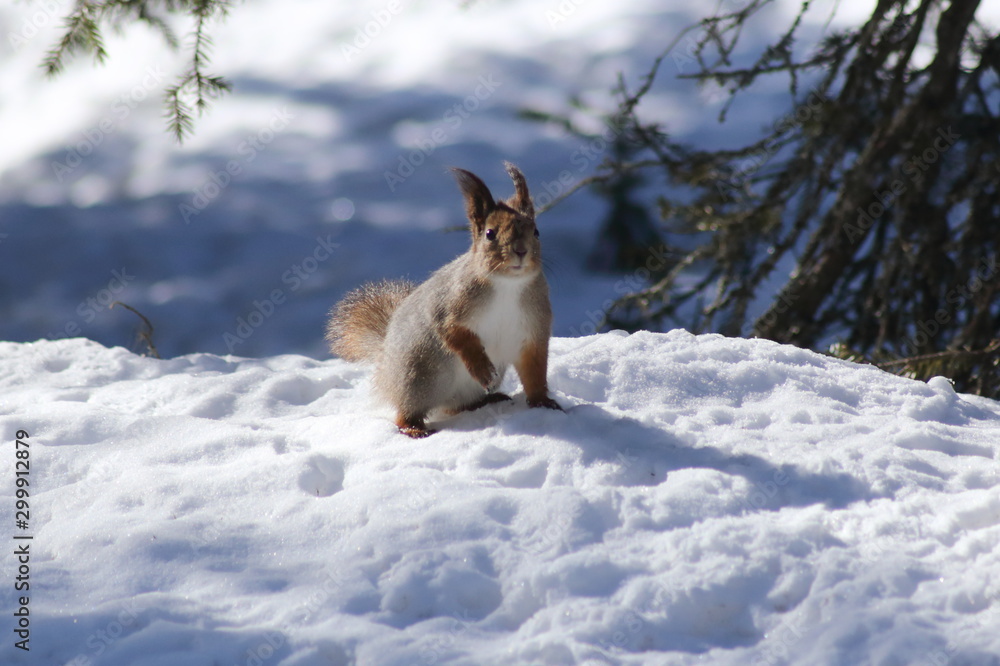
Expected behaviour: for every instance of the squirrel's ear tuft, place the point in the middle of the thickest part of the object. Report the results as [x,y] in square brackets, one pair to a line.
[521,201]
[478,200]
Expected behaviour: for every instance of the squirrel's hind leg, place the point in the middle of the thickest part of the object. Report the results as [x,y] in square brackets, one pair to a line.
[413,426]
[488,399]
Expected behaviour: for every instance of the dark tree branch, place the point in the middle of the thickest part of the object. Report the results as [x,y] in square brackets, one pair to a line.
[864,217]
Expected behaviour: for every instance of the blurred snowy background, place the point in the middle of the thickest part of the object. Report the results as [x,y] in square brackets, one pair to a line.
[327,164]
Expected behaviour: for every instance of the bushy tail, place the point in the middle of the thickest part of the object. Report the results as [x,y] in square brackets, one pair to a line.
[358,323]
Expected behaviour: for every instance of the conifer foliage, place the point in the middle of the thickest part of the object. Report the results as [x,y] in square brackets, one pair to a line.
[864,220]
[84,30]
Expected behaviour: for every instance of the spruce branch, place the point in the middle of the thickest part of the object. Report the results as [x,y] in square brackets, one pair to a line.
[952,354]
[82,34]
[864,214]
[193,90]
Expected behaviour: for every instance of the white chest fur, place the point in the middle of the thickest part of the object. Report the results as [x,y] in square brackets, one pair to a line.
[500,324]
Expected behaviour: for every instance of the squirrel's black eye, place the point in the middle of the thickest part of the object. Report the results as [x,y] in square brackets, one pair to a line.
[491,234]
[536,232]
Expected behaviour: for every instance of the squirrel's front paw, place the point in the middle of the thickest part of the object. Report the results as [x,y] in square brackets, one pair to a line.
[487,376]
[546,402]
[494,384]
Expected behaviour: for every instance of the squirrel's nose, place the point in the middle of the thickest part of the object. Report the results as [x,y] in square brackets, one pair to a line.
[520,252]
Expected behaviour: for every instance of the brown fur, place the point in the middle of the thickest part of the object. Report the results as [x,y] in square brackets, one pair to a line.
[531,368]
[358,323]
[521,200]
[478,200]
[469,348]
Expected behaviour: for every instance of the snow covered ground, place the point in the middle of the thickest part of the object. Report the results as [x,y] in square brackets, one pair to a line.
[703,500]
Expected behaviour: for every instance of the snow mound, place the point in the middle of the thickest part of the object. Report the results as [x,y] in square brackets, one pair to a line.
[702,500]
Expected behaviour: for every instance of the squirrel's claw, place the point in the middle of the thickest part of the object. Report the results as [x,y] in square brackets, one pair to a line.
[546,402]
[491,380]
[413,427]
[415,432]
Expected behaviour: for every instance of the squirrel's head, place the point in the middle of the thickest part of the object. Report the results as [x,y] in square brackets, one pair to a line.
[504,235]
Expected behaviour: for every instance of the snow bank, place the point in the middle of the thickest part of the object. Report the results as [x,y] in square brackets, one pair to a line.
[702,500]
